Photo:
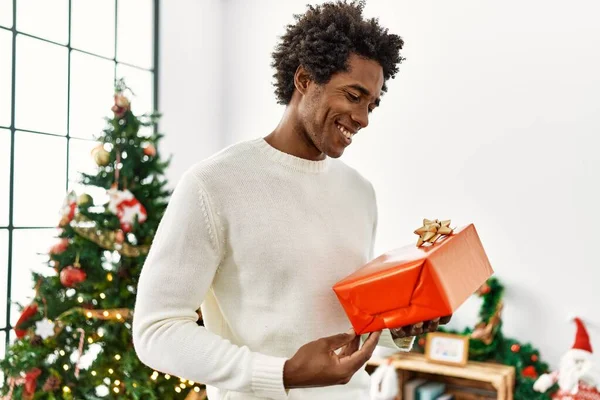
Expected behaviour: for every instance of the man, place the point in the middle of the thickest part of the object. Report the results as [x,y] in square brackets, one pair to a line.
[259,233]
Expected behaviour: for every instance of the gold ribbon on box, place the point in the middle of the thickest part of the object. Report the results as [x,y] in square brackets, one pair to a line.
[432,230]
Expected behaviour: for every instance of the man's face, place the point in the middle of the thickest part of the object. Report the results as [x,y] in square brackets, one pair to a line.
[332,113]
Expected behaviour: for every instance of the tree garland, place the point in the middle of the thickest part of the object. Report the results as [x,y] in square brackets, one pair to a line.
[488,343]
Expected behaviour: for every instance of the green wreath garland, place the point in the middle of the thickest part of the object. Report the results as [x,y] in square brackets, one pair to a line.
[488,343]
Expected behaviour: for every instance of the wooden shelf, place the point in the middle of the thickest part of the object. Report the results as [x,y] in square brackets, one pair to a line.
[489,376]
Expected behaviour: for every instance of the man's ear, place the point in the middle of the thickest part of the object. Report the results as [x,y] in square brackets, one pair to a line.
[301,79]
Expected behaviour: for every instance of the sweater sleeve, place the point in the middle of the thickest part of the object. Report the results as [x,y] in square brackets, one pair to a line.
[175,278]
[386,340]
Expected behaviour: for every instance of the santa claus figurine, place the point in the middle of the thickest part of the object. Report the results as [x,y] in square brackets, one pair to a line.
[577,377]
[126,207]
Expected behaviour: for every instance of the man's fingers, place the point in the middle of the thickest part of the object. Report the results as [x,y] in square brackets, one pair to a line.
[351,347]
[336,341]
[417,329]
[361,356]
[433,325]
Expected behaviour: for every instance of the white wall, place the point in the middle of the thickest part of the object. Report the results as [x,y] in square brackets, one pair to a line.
[190,91]
[493,119]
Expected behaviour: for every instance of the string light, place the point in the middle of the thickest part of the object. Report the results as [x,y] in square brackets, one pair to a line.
[177,389]
[90,340]
[94,373]
[181,380]
[105,313]
[101,333]
[62,352]
[117,357]
[102,296]
[117,382]
[109,277]
[167,376]
[116,389]
[88,314]
[191,383]
[110,371]
[134,385]
[66,389]
[197,389]
[154,375]
[119,316]
[80,299]
[66,367]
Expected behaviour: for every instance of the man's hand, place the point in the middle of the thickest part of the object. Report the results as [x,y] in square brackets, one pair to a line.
[420,327]
[317,364]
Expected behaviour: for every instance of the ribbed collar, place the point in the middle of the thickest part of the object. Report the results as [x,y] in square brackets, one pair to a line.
[296,163]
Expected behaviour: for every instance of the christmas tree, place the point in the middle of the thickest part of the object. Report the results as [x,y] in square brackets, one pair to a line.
[82,309]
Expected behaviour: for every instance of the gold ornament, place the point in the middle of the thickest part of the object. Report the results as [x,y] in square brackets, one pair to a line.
[100,155]
[84,200]
[432,230]
[106,239]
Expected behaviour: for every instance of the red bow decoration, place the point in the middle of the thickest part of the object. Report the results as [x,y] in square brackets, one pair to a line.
[27,313]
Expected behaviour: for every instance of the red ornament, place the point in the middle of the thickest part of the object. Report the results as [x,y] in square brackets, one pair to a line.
[530,372]
[31,380]
[27,313]
[70,276]
[534,357]
[484,289]
[515,348]
[60,246]
[421,342]
[149,150]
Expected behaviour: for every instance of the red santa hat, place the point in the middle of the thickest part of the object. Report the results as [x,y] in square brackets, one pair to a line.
[582,339]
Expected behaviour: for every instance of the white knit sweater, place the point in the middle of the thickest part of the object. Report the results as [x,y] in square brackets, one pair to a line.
[257,237]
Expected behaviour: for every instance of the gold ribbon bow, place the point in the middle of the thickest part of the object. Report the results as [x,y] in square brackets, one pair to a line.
[432,230]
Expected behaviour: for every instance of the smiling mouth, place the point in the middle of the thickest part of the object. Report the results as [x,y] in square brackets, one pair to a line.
[345,132]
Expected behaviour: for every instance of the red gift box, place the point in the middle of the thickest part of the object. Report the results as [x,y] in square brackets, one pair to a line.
[414,284]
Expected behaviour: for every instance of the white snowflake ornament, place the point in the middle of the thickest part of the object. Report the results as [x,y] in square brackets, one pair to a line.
[44,328]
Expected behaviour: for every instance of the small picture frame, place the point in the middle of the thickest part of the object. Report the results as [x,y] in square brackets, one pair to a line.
[447,348]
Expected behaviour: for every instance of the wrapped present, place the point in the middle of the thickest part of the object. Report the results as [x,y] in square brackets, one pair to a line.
[416,283]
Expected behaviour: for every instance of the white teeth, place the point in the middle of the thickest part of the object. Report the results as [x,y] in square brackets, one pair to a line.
[345,132]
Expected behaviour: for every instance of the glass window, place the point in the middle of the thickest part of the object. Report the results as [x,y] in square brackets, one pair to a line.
[5,76]
[40,178]
[41,86]
[135,32]
[93,26]
[48,19]
[6,13]
[4,175]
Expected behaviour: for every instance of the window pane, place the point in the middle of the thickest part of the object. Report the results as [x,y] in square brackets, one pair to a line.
[4,175]
[135,32]
[93,26]
[40,179]
[27,243]
[140,82]
[5,76]
[3,276]
[80,160]
[6,13]
[48,19]
[92,88]
[41,87]
[2,354]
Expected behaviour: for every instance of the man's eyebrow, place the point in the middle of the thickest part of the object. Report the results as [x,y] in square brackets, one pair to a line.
[364,91]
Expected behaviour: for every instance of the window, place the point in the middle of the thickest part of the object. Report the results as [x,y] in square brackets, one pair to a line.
[58,63]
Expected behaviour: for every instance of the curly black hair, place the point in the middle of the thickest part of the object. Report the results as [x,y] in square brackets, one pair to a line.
[323,39]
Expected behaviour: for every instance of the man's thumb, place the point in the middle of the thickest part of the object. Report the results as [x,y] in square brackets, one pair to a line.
[336,341]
